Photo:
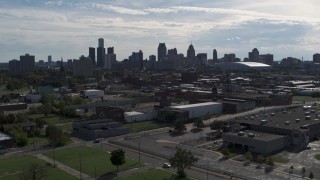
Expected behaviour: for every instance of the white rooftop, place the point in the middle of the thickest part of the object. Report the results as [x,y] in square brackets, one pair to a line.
[195,105]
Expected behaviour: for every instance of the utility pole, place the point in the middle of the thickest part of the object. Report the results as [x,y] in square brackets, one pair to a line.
[80,166]
[54,161]
[139,151]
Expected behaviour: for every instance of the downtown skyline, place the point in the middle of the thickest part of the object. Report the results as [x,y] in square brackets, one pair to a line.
[68,28]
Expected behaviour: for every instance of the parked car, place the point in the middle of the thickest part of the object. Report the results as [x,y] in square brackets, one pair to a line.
[98,140]
[166,165]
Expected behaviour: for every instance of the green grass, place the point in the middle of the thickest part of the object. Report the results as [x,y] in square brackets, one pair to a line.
[153,174]
[317,156]
[10,168]
[53,118]
[37,140]
[4,91]
[142,126]
[280,160]
[91,158]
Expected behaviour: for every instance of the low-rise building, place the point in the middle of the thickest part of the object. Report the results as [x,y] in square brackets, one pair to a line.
[99,128]
[293,128]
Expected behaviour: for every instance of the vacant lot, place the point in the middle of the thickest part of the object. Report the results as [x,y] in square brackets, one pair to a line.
[11,168]
[53,118]
[94,162]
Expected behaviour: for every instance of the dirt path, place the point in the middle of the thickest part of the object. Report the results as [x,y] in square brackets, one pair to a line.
[65,168]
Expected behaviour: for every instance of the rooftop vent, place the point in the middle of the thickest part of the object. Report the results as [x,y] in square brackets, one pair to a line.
[284,112]
[252,117]
[241,133]
[308,117]
[297,120]
[273,114]
[312,111]
[316,119]
[251,135]
[287,123]
[263,122]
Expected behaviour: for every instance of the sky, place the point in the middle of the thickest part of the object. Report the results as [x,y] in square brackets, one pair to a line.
[66,28]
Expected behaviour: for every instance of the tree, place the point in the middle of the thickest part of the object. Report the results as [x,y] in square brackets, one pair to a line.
[182,159]
[118,158]
[225,151]
[269,161]
[56,136]
[180,127]
[215,125]
[249,156]
[311,175]
[20,137]
[34,172]
[198,123]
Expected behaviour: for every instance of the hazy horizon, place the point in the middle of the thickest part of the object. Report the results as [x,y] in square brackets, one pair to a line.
[67,28]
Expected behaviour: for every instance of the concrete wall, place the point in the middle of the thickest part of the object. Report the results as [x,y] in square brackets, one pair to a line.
[140,116]
[204,109]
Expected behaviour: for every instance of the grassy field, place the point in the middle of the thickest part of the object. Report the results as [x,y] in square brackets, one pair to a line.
[142,126]
[92,160]
[280,160]
[153,174]
[317,156]
[11,167]
[53,118]
[4,91]
[302,99]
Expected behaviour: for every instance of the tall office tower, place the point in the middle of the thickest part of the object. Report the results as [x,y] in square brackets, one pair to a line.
[101,42]
[152,61]
[152,58]
[101,52]
[92,54]
[254,55]
[137,59]
[202,57]
[110,50]
[316,58]
[162,51]
[27,63]
[14,67]
[49,60]
[172,52]
[191,52]
[215,55]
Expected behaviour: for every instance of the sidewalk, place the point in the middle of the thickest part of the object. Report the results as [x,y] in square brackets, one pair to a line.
[65,168]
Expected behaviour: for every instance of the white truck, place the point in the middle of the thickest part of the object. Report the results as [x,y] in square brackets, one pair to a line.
[92,93]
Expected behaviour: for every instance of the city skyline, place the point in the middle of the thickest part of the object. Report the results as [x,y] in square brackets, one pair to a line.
[68,28]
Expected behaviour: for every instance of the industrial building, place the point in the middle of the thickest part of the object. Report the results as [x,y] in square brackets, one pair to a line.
[266,133]
[200,109]
[99,128]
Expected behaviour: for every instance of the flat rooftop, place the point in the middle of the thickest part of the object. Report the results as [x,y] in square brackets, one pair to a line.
[257,135]
[286,119]
[4,137]
[195,105]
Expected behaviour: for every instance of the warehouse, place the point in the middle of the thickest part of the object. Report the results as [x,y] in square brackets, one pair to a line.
[298,127]
[200,109]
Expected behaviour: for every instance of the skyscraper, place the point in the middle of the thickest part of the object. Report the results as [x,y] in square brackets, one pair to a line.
[254,55]
[49,60]
[27,63]
[92,54]
[162,51]
[172,52]
[215,55]
[191,52]
[110,50]
[100,53]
